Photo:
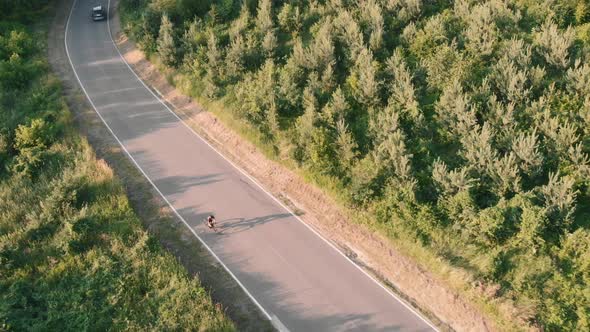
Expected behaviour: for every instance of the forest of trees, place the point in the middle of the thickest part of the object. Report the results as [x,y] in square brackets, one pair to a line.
[73,255]
[464,124]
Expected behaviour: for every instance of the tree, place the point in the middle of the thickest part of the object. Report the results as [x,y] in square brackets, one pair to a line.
[502,119]
[401,89]
[390,146]
[510,80]
[31,142]
[290,78]
[16,42]
[350,35]
[560,197]
[578,79]
[308,121]
[269,43]
[504,174]
[166,45]
[481,33]
[363,81]
[443,64]
[213,67]
[451,182]
[290,18]
[257,94]
[477,148]
[518,51]
[16,73]
[371,13]
[234,59]
[454,110]
[321,151]
[321,53]
[299,54]
[346,145]
[561,135]
[192,39]
[575,254]
[337,108]
[580,162]
[533,222]
[240,25]
[327,80]
[553,44]
[264,16]
[525,148]
[405,9]
[147,33]
[213,52]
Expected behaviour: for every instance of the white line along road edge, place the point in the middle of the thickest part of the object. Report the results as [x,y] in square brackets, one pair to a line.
[272,317]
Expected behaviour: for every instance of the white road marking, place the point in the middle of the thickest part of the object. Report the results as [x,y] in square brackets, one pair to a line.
[276,322]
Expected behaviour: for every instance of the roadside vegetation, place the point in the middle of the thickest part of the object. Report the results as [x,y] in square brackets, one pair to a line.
[73,255]
[463,125]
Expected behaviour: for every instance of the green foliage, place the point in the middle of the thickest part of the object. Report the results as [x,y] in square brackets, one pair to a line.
[166,44]
[463,124]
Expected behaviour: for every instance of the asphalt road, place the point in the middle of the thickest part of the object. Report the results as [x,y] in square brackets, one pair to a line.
[298,280]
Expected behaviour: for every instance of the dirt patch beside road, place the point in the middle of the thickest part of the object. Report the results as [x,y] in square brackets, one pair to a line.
[155,214]
[374,252]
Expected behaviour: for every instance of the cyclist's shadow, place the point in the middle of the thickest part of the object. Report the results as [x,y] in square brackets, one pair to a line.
[236,225]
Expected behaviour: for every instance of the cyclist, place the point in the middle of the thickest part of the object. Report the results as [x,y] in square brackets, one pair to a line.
[211,221]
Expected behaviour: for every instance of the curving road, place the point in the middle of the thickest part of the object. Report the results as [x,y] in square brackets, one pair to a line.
[298,280]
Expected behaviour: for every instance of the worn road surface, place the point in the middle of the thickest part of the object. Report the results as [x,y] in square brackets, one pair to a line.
[298,280]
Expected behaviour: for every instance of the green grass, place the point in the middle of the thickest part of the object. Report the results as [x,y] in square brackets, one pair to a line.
[73,254]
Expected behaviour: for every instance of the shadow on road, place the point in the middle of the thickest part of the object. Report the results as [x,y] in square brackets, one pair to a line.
[236,225]
[173,185]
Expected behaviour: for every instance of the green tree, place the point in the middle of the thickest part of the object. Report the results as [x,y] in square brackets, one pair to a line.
[481,33]
[269,43]
[454,110]
[166,45]
[192,38]
[373,18]
[401,89]
[321,52]
[264,20]
[560,197]
[363,80]
[553,44]
[350,34]
[451,182]
[526,150]
[346,145]
[258,96]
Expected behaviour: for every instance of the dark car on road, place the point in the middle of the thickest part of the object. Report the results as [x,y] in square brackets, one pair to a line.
[98,13]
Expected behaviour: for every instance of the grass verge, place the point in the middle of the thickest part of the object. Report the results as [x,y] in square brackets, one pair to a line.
[73,253]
